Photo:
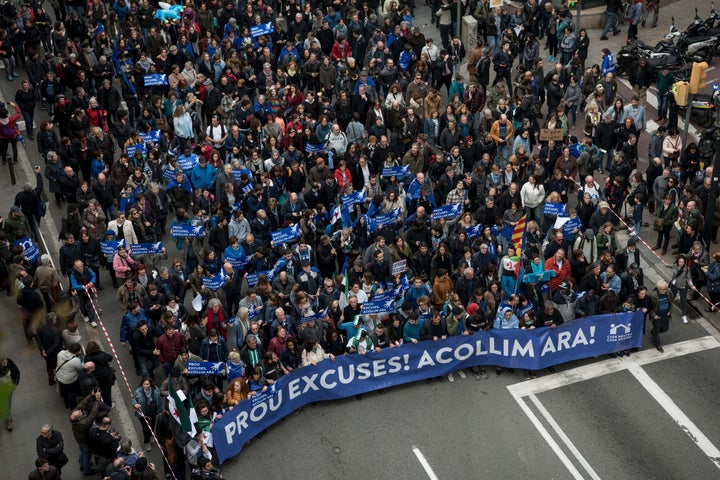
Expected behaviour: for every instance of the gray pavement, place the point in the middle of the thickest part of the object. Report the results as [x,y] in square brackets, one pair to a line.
[462,428]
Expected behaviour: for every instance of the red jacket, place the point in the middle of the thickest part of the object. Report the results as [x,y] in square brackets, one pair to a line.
[338,52]
[169,347]
[561,273]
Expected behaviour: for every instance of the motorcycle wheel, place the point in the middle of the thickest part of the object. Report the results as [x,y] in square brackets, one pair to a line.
[705,55]
[620,69]
[707,119]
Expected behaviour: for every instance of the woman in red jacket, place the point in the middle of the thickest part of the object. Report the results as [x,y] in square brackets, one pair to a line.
[9,131]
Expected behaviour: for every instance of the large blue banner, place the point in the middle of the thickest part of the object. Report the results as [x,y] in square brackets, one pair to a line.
[353,198]
[447,211]
[146,248]
[553,209]
[155,79]
[31,251]
[350,375]
[286,234]
[111,248]
[205,368]
[399,172]
[187,231]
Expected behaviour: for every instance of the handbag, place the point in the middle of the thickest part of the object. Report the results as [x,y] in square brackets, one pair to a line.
[657,224]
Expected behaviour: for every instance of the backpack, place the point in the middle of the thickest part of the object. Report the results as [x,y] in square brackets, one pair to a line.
[8,130]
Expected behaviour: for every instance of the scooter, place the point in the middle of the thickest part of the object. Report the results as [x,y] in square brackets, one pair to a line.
[704,107]
[672,56]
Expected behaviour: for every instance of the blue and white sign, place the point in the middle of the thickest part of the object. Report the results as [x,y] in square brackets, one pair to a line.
[205,368]
[187,231]
[447,211]
[262,29]
[111,248]
[354,374]
[252,278]
[216,282]
[399,267]
[155,79]
[377,307]
[187,162]
[398,172]
[131,149]
[146,248]
[30,250]
[474,231]
[316,317]
[247,188]
[314,147]
[286,234]
[168,174]
[238,173]
[381,220]
[238,262]
[571,225]
[554,209]
[152,136]
[353,198]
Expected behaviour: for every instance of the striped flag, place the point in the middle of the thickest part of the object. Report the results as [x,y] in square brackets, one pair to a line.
[184,415]
[518,234]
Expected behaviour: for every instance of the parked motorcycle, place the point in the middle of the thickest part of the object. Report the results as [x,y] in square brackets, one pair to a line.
[705,107]
[657,57]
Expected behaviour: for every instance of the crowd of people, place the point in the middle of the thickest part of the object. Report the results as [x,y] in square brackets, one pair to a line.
[213,126]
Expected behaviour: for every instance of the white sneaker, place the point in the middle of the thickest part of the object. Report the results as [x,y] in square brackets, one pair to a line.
[684,319]
[461,374]
[86,319]
[148,447]
[450,377]
[93,324]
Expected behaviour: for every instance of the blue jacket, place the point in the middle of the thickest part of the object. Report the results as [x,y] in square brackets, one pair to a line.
[221,346]
[128,324]
[144,402]
[74,283]
[203,177]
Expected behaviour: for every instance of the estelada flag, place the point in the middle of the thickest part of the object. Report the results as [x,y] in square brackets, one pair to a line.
[518,234]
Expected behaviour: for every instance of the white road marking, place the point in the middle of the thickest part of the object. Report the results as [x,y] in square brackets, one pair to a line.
[565,439]
[683,421]
[606,367]
[423,461]
[547,437]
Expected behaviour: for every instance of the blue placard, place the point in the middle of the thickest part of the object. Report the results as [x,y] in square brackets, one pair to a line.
[447,211]
[286,234]
[205,368]
[31,251]
[571,225]
[111,248]
[238,262]
[213,283]
[168,174]
[155,79]
[131,149]
[378,306]
[393,294]
[354,374]
[187,231]
[353,198]
[238,173]
[380,220]
[316,317]
[262,29]
[152,136]
[554,209]
[187,162]
[399,172]
[253,277]
[314,147]
[474,231]
[247,188]
[146,248]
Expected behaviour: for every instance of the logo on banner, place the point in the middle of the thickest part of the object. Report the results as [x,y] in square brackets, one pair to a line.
[353,198]
[187,231]
[205,368]
[30,250]
[286,234]
[447,211]
[146,248]
[620,332]
[399,172]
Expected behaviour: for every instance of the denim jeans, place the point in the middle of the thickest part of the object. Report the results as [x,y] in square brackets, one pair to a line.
[662,104]
[85,457]
[609,159]
[612,16]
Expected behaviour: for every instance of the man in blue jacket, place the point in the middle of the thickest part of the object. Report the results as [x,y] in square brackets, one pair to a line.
[203,175]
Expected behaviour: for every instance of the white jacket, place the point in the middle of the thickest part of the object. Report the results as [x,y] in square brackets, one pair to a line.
[532,195]
[128,231]
[69,367]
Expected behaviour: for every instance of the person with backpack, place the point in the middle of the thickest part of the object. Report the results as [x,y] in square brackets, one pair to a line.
[9,132]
